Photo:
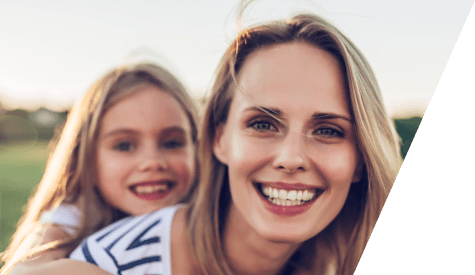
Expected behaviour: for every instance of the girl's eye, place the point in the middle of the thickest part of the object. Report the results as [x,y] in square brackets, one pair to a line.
[262,125]
[329,132]
[124,146]
[173,144]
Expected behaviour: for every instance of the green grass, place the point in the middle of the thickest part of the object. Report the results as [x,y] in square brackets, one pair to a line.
[21,168]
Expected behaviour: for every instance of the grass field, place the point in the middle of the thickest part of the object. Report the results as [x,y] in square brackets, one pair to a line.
[21,168]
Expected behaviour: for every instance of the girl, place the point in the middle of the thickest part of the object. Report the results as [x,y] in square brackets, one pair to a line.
[297,159]
[127,148]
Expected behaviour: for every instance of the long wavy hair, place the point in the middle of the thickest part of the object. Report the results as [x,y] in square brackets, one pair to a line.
[338,248]
[70,174]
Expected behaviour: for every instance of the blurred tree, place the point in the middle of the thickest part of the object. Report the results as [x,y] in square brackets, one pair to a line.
[18,113]
[13,127]
[407,129]
[20,125]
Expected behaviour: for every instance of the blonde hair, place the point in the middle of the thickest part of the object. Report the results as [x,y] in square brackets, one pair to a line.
[70,174]
[338,248]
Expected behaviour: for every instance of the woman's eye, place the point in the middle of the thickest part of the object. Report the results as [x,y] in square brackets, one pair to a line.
[124,146]
[329,132]
[172,144]
[262,125]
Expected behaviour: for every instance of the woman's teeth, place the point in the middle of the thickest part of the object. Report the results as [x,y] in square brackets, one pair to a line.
[285,197]
[147,189]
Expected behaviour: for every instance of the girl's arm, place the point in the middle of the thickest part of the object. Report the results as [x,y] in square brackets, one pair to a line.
[53,261]
[57,267]
[37,237]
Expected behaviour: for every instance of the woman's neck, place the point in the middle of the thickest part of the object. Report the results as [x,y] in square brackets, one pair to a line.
[249,253]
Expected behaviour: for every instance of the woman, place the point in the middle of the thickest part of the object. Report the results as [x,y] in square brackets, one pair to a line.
[369,135]
[297,159]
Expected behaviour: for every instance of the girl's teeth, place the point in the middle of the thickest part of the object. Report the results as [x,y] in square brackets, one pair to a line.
[285,197]
[146,189]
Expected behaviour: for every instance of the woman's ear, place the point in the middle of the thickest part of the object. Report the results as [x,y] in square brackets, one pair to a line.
[358,175]
[219,144]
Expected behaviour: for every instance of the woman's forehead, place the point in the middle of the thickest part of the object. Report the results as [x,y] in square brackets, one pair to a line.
[294,77]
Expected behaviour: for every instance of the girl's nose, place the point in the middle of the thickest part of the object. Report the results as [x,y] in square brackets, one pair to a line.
[291,156]
[154,161]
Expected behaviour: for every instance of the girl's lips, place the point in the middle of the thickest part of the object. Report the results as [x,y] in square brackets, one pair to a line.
[152,190]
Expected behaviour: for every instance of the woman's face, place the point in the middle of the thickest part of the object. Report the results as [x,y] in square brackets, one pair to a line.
[290,168]
[145,153]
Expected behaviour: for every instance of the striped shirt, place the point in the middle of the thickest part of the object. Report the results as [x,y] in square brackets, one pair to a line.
[134,245]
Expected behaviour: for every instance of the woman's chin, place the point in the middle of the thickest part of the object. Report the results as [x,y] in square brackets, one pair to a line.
[285,236]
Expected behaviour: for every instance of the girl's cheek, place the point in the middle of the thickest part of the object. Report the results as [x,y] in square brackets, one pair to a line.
[185,168]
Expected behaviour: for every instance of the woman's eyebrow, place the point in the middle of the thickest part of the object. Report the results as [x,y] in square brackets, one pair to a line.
[330,116]
[279,114]
[271,111]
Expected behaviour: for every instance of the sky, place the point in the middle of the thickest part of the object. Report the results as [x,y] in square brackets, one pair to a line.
[52,52]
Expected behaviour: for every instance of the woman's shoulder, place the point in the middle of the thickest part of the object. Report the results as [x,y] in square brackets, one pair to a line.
[182,260]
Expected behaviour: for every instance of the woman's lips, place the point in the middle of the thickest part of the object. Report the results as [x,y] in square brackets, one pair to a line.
[289,201]
[152,190]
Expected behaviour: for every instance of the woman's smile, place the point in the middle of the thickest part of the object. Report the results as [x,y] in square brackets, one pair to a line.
[288,197]
[288,142]
[288,200]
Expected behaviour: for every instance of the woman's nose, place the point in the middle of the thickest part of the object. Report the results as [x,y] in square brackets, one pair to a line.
[291,156]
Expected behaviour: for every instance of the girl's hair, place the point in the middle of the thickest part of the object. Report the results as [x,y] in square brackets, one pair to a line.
[70,174]
[338,248]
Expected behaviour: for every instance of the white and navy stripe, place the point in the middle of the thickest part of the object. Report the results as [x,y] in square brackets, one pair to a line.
[134,245]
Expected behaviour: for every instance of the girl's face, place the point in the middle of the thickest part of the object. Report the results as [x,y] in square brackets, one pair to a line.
[145,153]
[289,172]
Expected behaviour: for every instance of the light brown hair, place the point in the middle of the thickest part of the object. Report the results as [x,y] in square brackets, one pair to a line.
[338,248]
[70,174]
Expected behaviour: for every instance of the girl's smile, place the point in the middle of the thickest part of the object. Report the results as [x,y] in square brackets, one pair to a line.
[145,153]
[152,190]
[289,142]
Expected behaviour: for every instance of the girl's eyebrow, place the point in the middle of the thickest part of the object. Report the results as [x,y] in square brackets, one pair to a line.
[173,129]
[130,131]
[120,131]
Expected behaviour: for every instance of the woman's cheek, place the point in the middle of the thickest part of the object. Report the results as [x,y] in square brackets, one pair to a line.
[246,150]
[339,166]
